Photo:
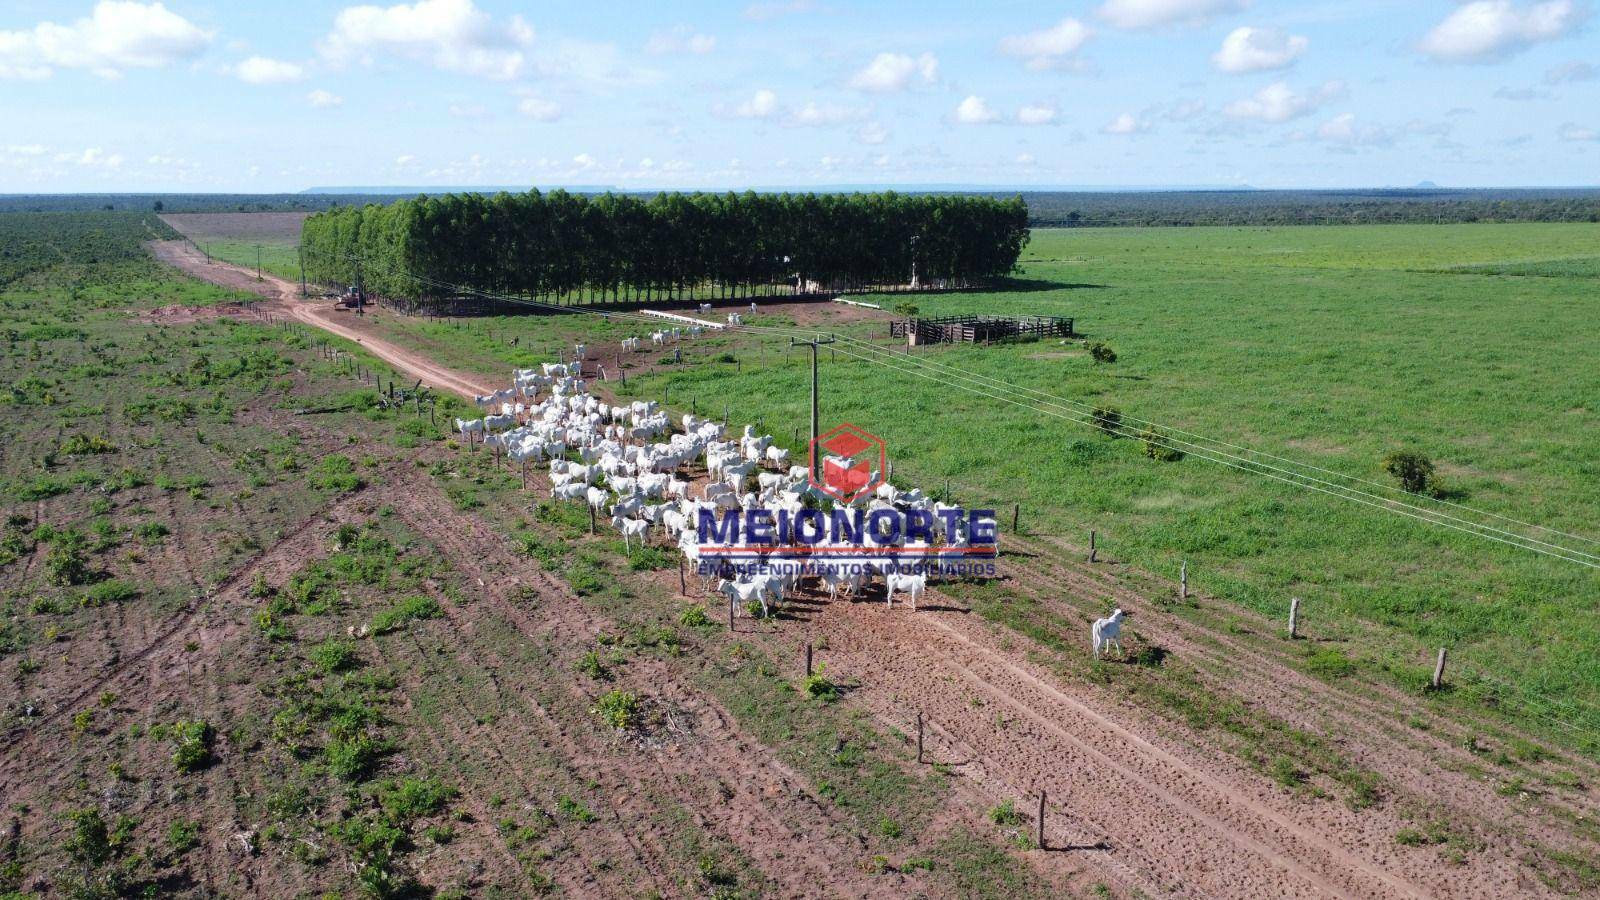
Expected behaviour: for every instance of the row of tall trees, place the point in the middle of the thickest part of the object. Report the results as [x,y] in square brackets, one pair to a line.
[622,247]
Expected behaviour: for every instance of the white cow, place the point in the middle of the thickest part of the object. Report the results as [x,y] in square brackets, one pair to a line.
[1105,632]
[915,585]
[631,528]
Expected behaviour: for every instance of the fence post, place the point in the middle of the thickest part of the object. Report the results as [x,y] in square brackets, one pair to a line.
[730,611]
[1039,833]
[1183,581]
[1093,550]
[1294,617]
[1438,670]
[919,737]
[808,659]
[683,586]
[591,520]
[1016,511]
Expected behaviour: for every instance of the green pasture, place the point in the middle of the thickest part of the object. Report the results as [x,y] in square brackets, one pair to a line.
[1330,346]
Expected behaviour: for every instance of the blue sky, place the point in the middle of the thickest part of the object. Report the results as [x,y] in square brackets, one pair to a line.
[211,96]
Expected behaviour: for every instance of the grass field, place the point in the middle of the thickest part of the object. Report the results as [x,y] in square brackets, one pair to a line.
[1332,346]
[246,239]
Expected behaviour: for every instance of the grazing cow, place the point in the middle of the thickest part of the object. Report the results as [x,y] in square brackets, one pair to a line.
[631,528]
[915,585]
[778,457]
[745,590]
[1105,632]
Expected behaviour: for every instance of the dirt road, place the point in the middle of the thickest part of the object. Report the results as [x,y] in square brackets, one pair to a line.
[284,298]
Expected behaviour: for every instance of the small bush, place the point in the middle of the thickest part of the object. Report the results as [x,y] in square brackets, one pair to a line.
[335,656]
[694,616]
[66,564]
[574,810]
[194,740]
[1102,353]
[151,532]
[817,686]
[87,445]
[1108,419]
[42,489]
[113,591]
[407,799]
[618,708]
[589,664]
[1413,470]
[1330,663]
[405,612]
[183,836]
[335,474]
[352,757]
[1157,447]
[1006,815]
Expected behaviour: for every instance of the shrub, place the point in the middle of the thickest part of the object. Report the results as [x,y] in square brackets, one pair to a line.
[150,532]
[182,836]
[406,799]
[352,757]
[335,656]
[1102,352]
[906,309]
[589,664]
[406,611]
[113,591]
[1108,419]
[574,810]
[194,740]
[1006,815]
[1413,470]
[43,489]
[694,616]
[1330,663]
[817,686]
[618,708]
[66,564]
[87,445]
[335,474]
[1157,447]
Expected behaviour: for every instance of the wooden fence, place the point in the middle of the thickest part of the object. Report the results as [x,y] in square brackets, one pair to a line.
[972,329]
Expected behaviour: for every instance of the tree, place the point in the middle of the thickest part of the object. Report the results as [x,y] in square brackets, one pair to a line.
[1102,352]
[1413,470]
[1108,419]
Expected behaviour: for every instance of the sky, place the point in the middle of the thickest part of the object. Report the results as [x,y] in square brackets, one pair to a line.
[205,95]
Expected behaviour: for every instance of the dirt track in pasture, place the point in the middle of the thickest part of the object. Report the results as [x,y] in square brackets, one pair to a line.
[1138,800]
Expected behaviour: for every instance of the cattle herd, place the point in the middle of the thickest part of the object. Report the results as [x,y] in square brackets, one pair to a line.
[633,467]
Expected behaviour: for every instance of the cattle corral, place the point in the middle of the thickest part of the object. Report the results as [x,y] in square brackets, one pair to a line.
[979,329]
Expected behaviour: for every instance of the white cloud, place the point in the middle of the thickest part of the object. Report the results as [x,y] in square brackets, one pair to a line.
[404,160]
[1247,49]
[1571,132]
[117,35]
[895,72]
[975,111]
[452,35]
[1345,130]
[1277,102]
[872,133]
[538,109]
[762,12]
[1055,47]
[92,158]
[821,114]
[26,150]
[261,70]
[1136,14]
[1487,30]
[1570,72]
[680,39]
[1127,123]
[321,99]
[763,104]
[1036,114]
[1025,159]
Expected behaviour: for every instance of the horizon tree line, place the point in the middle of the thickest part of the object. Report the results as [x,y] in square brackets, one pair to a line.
[616,247]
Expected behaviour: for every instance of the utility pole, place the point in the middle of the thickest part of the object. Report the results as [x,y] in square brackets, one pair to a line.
[258,262]
[814,343]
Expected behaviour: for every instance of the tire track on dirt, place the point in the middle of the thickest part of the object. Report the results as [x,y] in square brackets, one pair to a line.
[756,802]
